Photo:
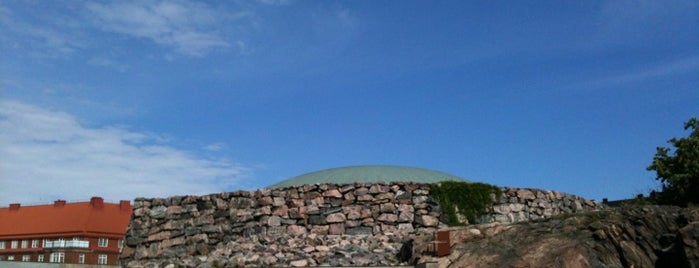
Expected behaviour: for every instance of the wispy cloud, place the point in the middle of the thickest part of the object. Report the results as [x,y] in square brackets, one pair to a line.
[59,37]
[185,26]
[677,67]
[274,2]
[105,62]
[215,147]
[642,20]
[48,154]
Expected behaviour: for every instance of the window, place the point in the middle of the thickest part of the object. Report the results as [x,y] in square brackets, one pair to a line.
[81,258]
[40,258]
[26,258]
[102,259]
[76,238]
[35,243]
[58,257]
[25,243]
[102,242]
[2,244]
[43,243]
[121,243]
[13,244]
[10,258]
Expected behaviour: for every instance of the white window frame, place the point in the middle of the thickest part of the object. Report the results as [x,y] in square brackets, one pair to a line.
[81,258]
[10,258]
[26,258]
[102,259]
[58,257]
[103,242]
[13,244]
[2,244]
[40,258]
[43,243]
[25,243]
[35,243]
[121,243]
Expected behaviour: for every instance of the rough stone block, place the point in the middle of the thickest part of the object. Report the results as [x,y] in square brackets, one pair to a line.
[336,229]
[335,217]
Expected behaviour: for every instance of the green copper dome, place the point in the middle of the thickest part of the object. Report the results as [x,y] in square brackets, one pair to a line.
[347,175]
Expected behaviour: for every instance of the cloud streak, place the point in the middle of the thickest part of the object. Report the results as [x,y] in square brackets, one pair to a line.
[47,155]
[49,39]
[677,67]
[181,25]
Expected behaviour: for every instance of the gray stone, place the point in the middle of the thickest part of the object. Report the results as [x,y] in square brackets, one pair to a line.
[366,197]
[525,194]
[158,212]
[278,201]
[211,229]
[405,227]
[427,220]
[335,217]
[299,263]
[384,196]
[316,220]
[406,216]
[378,188]
[388,207]
[361,191]
[274,221]
[360,230]
[403,195]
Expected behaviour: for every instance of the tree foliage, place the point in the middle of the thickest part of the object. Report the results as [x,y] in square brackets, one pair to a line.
[678,169]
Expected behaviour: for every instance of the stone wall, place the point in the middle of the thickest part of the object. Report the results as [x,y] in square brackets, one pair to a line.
[311,225]
[520,204]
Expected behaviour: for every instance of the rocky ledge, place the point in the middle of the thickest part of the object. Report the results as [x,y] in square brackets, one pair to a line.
[643,236]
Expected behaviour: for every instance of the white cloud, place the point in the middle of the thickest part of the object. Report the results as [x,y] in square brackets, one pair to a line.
[185,26]
[47,155]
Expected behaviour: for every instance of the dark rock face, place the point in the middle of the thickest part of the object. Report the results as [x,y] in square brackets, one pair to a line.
[649,236]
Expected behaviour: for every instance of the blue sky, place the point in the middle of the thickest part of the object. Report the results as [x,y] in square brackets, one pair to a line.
[124,99]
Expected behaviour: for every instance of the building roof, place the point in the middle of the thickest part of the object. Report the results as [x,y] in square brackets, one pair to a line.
[370,173]
[65,219]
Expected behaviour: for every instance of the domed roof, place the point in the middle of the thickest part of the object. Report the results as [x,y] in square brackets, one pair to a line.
[373,173]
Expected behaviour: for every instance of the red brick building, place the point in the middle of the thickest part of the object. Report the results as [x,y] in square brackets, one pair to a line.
[82,232]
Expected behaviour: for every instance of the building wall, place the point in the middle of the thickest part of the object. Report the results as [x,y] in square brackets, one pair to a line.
[326,224]
[71,254]
[13,264]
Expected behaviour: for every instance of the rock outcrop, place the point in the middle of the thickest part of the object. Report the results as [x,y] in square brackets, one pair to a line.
[645,236]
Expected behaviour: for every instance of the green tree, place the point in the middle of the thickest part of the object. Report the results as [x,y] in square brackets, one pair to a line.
[678,169]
